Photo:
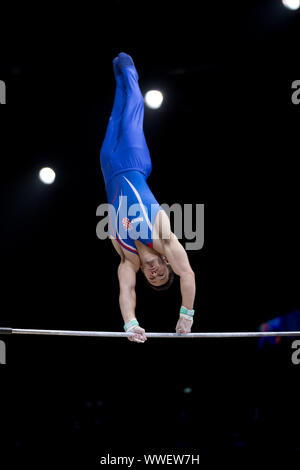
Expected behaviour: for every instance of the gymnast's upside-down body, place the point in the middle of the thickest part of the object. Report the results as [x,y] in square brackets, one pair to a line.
[145,241]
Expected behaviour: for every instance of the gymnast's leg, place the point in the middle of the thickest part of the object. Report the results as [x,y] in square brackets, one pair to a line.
[125,147]
[133,113]
[113,131]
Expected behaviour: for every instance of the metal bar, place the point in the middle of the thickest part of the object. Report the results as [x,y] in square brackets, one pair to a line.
[116,334]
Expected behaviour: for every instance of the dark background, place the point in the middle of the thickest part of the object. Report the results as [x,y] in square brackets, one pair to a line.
[226,136]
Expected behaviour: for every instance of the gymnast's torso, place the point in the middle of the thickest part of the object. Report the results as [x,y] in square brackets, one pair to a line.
[133,213]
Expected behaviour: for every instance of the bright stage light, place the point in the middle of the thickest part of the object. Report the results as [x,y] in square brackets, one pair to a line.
[154,99]
[291,4]
[47,175]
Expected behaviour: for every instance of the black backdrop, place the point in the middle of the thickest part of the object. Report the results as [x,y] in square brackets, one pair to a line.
[226,136]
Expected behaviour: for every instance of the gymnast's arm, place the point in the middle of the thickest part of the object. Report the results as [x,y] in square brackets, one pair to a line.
[178,259]
[127,297]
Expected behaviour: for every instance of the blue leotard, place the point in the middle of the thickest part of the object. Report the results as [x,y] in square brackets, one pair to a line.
[126,165]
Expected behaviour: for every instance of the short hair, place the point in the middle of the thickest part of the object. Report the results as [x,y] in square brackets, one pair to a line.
[167,284]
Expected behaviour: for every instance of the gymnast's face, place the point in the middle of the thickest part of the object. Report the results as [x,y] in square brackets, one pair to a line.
[155,270]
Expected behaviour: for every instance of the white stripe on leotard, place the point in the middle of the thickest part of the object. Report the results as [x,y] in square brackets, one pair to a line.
[121,199]
[140,202]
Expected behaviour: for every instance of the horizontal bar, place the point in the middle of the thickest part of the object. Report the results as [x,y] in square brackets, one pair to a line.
[5,331]
[116,334]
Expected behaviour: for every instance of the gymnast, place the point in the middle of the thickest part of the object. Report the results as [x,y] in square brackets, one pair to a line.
[138,226]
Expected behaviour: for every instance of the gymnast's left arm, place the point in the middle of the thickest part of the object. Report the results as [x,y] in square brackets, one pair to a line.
[178,259]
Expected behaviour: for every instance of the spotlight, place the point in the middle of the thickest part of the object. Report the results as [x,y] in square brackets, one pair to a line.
[154,99]
[291,4]
[47,175]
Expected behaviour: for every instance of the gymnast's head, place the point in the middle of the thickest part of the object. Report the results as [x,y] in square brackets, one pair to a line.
[157,271]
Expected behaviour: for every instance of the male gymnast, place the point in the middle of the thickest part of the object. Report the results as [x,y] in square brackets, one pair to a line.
[139,228]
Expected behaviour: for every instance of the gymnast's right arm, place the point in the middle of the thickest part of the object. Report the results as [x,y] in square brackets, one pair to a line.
[127,299]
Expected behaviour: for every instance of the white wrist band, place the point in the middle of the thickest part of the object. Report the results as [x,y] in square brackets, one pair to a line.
[187,317]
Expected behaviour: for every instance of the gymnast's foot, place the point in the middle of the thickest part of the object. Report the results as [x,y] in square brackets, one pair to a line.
[125,61]
[117,71]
